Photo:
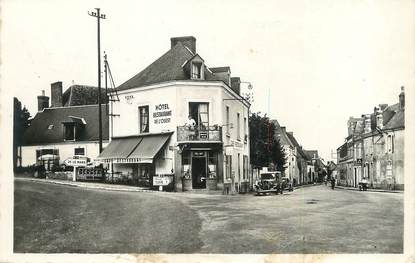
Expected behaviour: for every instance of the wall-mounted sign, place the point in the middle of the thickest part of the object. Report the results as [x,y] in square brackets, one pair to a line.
[162,114]
[129,98]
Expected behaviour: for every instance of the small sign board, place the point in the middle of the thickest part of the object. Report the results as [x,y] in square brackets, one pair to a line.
[75,162]
[159,180]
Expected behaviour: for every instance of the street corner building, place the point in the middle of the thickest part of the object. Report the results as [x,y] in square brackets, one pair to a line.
[66,128]
[183,121]
[374,148]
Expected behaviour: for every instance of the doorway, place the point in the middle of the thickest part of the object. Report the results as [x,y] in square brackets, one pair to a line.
[199,172]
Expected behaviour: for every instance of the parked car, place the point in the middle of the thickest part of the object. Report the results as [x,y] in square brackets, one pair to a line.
[269,182]
[287,184]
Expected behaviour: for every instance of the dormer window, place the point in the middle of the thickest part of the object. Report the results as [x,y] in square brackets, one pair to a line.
[69,129]
[197,70]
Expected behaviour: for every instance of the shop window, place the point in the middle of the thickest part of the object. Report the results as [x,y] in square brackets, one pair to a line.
[186,164]
[212,165]
[69,130]
[144,119]
[79,151]
[200,113]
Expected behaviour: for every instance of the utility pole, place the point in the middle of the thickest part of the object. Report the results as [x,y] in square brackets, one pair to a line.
[99,17]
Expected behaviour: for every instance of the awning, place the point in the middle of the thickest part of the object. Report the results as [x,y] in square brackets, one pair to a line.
[149,147]
[137,149]
[119,148]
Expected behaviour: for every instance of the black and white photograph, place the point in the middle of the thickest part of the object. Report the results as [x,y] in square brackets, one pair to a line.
[207,131]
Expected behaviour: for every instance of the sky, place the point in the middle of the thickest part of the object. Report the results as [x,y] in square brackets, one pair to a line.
[312,64]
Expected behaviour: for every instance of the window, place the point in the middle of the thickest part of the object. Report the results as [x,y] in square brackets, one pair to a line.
[227,119]
[390,143]
[245,163]
[228,171]
[200,113]
[212,164]
[197,70]
[245,129]
[144,122]
[238,126]
[79,151]
[239,167]
[69,131]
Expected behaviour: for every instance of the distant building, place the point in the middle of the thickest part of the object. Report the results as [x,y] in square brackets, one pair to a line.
[290,169]
[374,148]
[182,121]
[303,166]
[319,171]
[69,127]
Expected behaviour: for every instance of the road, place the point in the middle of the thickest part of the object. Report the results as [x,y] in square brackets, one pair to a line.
[60,219]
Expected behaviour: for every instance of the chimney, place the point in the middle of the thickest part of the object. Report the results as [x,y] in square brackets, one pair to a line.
[350,126]
[236,84]
[188,41]
[402,98]
[284,130]
[56,94]
[42,101]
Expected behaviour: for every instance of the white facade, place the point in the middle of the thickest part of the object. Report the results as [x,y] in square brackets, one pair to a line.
[65,150]
[169,107]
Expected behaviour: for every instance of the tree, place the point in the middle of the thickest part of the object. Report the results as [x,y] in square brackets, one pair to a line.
[265,149]
[21,121]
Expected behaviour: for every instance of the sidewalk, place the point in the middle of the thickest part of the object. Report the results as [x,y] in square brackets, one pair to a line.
[90,185]
[112,187]
[369,189]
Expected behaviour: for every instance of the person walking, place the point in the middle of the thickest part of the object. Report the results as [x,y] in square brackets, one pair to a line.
[333,182]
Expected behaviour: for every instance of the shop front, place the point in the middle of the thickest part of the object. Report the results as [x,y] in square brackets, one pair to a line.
[135,160]
[200,167]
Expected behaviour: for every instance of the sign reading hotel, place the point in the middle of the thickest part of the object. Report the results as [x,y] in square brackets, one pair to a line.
[162,114]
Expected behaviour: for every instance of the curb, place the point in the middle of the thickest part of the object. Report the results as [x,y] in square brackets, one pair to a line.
[369,190]
[88,186]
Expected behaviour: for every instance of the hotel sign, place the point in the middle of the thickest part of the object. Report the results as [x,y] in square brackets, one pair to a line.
[75,162]
[162,114]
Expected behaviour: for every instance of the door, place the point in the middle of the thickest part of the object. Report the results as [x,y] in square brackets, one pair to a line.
[355,177]
[199,172]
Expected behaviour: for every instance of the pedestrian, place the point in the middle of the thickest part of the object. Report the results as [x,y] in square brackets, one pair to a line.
[333,181]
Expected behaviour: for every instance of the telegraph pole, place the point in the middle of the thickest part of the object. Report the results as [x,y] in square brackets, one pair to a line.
[99,17]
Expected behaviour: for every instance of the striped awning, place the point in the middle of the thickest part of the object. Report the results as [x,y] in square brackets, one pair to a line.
[135,149]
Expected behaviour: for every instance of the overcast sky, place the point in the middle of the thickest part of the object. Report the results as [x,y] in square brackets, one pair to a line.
[320,61]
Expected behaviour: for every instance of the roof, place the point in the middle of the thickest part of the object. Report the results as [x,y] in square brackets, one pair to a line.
[220,69]
[168,67]
[300,150]
[311,153]
[77,95]
[397,121]
[284,140]
[39,133]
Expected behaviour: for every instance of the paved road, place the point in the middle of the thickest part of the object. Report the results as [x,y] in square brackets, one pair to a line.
[52,218]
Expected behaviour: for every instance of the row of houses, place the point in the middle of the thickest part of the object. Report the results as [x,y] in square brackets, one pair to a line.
[302,166]
[178,118]
[374,148]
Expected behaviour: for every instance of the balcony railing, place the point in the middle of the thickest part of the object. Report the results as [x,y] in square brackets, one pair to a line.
[209,133]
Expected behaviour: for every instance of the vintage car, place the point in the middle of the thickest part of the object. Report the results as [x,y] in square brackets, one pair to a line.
[269,182]
[287,184]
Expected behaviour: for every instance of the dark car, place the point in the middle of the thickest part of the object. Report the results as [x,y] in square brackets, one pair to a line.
[269,182]
[287,184]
